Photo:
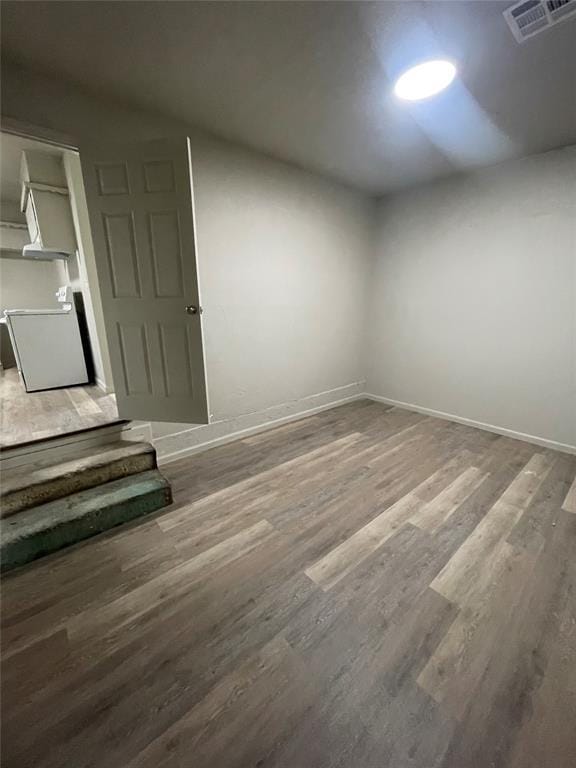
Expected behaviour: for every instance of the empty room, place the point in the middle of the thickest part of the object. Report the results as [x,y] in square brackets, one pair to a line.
[288,384]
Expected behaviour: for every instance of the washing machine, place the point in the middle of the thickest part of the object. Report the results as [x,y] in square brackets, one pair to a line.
[47,344]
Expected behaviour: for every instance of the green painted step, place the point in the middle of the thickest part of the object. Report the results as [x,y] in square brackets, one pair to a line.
[29,486]
[49,527]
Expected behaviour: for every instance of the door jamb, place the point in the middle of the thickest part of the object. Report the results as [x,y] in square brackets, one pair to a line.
[15,127]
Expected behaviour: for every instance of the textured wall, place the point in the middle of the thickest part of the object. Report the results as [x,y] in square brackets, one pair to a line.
[473,297]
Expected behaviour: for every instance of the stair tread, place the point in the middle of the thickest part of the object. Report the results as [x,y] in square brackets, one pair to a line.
[46,516]
[25,477]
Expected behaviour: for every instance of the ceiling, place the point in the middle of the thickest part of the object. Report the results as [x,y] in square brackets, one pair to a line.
[311,82]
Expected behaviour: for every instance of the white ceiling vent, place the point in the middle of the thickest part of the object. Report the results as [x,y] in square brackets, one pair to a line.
[529,17]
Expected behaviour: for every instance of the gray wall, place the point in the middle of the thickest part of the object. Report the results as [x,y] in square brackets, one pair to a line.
[283,264]
[473,297]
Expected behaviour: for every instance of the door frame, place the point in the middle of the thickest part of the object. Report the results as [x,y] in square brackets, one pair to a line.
[65,141]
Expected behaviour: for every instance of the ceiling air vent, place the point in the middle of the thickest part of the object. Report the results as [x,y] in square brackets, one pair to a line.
[530,17]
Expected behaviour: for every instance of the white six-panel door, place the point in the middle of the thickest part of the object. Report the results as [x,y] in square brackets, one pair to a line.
[140,206]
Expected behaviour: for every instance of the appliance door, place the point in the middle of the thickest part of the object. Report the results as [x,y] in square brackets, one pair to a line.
[49,350]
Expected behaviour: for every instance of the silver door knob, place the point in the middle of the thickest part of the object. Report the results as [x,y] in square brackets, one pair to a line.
[191,309]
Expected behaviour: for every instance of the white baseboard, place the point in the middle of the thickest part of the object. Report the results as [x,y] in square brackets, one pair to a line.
[542,441]
[200,438]
[178,445]
[101,384]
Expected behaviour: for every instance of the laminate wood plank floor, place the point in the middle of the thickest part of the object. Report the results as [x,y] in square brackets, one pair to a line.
[367,587]
[27,416]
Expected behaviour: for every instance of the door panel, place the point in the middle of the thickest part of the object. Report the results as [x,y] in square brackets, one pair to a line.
[120,244]
[140,206]
[166,253]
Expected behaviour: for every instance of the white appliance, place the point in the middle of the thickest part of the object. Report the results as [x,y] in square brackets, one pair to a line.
[47,344]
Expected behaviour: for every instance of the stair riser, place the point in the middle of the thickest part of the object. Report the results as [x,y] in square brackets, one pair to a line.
[60,487]
[64,535]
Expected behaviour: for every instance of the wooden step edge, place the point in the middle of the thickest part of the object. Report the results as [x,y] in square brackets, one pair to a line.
[94,457]
[8,447]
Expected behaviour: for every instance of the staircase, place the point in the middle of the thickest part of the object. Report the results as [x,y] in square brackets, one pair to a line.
[48,506]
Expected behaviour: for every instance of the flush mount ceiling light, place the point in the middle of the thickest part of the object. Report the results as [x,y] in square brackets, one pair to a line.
[425,80]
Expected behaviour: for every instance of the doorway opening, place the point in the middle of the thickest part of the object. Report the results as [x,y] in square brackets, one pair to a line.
[55,372]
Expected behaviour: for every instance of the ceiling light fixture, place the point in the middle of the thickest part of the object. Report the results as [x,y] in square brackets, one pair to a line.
[425,80]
